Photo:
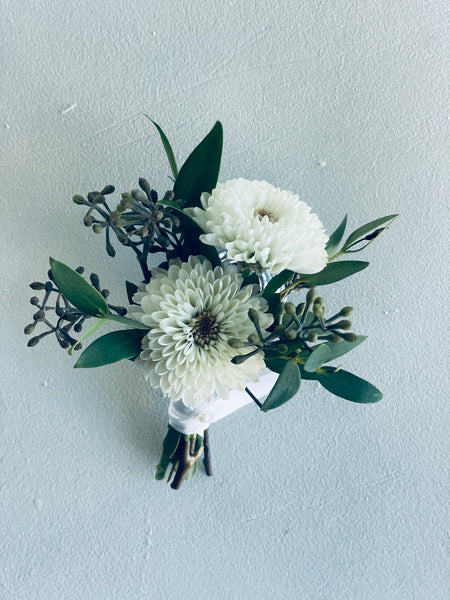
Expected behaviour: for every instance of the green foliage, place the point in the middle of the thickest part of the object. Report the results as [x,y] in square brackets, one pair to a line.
[170,445]
[167,148]
[126,321]
[201,170]
[349,386]
[335,238]
[286,386]
[78,291]
[335,271]
[324,353]
[111,348]
[276,282]
[368,233]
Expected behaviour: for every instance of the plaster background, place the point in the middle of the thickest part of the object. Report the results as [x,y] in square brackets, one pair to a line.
[340,101]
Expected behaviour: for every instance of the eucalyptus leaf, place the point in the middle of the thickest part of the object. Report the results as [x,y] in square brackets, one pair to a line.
[110,348]
[201,170]
[78,291]
[360,233]
[286,386]
[335,271]
[336,237]
[341,348]
[319,356]
[349,386]
[276,282]
[126,321]
[167,148]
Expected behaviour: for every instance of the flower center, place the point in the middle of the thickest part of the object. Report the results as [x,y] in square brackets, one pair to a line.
[205,328]
[261,213]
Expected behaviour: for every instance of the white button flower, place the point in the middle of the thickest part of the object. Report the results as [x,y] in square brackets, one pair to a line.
[193,311]
[262,226]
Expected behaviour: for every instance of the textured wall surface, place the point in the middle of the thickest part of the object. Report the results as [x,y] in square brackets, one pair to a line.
[342,102]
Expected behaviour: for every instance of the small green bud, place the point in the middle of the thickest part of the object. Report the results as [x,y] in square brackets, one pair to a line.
[123,239]
[80,270]
[234,343]
[121,208]
[80,200]
[139,196]
[94,280]
[109,189]
[34,341]
[333,338]
[144,185]
[345,324]
[115,214]
[291,334]
[39,316]
[289,307]
[317,309]
[311,295]
[253,315]
[312,337]
[349,337]
[318,300]
[158,215]
[34,300]
[253,338]
[96,228]
[37,285]
[99,199]
[87,221]
[169,195]
[238,360]
[300,309]
[281,348]
[346,311]
[29,328]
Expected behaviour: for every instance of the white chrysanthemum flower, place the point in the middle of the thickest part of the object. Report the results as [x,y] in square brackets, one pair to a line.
[193,311]
[261,225]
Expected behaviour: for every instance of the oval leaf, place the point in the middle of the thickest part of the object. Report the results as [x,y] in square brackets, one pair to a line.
[286,386]
[341,348]
[349,386]
[336,237]
[335,271]
[125,321]
[78,291]
[276,282]
[201,170]
[111,348]
[319,356]
[365,229]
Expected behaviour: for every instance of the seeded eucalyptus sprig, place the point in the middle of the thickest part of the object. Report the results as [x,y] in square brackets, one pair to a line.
[69,318]
[138,221]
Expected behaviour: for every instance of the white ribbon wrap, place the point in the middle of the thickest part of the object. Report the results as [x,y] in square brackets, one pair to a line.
[195,420]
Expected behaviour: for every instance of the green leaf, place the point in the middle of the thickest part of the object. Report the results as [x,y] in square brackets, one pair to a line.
[286,386]
[335,238]
[78,291]
[276,282]
[324,353]
[167,148]
[349,386]
[201,170]
[88,333]
[170,445]
[341,348]
[126,321]
[335,271]
[367,228]
[132,288]
[319,355]
[111,348]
